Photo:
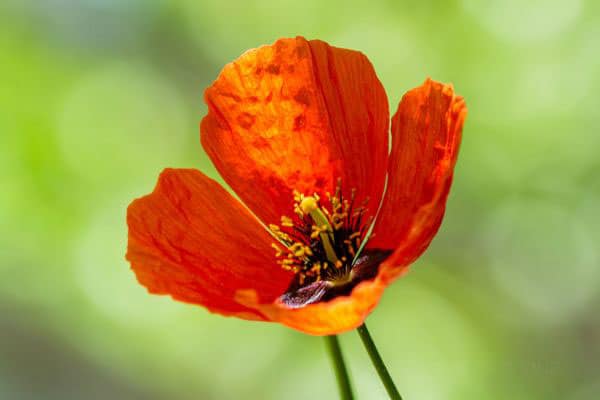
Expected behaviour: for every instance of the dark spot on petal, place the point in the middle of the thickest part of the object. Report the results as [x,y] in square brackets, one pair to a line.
[261,143]
[299,122]
[303,96]
[232,96]
[291,69]
[269,97]
[320,182]
[253,99]
[259,71]
[246,120]
[273,69]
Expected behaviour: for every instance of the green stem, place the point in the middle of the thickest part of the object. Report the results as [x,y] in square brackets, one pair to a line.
[382,371]
[341,373]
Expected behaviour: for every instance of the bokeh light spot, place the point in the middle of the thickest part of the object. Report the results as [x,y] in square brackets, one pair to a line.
[543,257]
[525,21]
[120,120]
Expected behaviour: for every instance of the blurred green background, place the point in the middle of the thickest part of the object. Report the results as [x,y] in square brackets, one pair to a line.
[97,97]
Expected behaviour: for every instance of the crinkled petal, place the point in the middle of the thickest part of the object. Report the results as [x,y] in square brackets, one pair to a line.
[426,134]
[192,240]
[297,115]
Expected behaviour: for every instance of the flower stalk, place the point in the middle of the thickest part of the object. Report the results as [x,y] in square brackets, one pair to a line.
[378,363]
[341,372]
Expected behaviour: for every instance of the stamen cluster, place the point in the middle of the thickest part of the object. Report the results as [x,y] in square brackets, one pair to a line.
[322,238]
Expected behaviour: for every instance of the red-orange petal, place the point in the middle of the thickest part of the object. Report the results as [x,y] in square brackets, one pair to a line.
[426,134]
[297,115]
[192,240]
[339,315]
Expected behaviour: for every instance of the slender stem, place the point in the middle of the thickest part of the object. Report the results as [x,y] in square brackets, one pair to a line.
[341,373]
[382,371]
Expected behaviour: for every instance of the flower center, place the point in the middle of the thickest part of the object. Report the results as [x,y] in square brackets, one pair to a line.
[323,238]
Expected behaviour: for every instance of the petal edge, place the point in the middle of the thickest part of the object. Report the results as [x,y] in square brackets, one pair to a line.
[192,240]
[426,136]
[297,115]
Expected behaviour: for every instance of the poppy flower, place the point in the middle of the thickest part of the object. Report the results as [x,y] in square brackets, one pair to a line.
[329,213]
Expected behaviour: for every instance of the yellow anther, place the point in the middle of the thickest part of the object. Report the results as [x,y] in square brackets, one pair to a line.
[297,249]
[298,211]
[287,221]
[316,231]
[278,251]
[315,270]
[297,196]
[337,220]
[283,236]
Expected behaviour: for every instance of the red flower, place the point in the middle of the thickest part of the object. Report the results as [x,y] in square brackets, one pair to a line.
[299,130]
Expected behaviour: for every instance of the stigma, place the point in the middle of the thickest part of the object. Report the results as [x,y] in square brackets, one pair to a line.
[321,240]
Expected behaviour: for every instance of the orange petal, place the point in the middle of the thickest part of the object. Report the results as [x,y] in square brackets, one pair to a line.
[192,240]
[339,315]
[426,134]
[297,115]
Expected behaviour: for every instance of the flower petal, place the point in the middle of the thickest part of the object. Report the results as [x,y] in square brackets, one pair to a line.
[426,134]
[339,315]
[192,240]
[297,115]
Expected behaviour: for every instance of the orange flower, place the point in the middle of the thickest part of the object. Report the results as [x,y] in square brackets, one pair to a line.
[299,130]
